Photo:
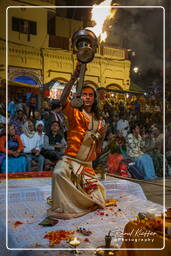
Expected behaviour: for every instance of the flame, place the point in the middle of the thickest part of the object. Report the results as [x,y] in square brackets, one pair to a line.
[99,16]
[75,241]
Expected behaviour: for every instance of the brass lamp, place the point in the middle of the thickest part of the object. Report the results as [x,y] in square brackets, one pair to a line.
[84,43]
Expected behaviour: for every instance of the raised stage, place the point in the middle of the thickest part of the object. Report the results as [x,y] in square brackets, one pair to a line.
[27,206]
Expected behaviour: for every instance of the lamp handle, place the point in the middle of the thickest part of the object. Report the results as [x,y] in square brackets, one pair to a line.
[81,80]
[67,89]
[77,102]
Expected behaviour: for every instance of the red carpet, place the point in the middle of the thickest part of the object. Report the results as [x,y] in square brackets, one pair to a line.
[26,175]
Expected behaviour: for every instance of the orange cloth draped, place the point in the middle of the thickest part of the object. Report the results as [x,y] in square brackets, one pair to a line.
[78,125]
[75,188]
[3,144]
[153,241]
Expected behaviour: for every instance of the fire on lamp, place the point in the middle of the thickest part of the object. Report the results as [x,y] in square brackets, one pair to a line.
[99,14]
[75,242]
[85,43]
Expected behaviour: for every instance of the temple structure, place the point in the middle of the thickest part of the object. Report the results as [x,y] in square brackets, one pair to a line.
[39,49]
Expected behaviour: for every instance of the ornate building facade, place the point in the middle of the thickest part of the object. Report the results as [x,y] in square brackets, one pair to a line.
[39,48]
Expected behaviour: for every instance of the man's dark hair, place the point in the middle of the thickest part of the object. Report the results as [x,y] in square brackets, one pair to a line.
[133,126]
[94,108]
[56,122]
[55,104]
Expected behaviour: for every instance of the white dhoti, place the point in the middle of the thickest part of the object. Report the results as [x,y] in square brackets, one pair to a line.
[76,190]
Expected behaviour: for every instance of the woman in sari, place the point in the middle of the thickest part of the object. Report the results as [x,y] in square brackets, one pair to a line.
[75,188]
[152,149]
[117,153]
[16,162]
[135,150]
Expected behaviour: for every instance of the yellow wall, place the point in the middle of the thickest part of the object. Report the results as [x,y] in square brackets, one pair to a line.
[35,57]
[39,15]
[103,72]
[66,27]
[58,63]
[36,15]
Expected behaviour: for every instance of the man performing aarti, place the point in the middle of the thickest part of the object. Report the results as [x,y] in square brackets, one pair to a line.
[75,187]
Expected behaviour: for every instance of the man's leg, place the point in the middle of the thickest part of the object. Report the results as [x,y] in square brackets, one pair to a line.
[29,160]
[41,161]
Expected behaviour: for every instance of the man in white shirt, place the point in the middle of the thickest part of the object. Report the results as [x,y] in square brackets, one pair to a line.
[40,133]
[123,125]
[31,142]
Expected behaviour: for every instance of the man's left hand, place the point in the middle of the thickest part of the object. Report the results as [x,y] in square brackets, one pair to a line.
[103,130]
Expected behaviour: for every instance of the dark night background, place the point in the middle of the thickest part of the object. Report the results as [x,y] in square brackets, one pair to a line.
[139,29]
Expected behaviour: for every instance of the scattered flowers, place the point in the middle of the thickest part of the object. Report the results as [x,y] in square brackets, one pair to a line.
[86,240]
[17,223]
[55,237]
[84,231]
[151,224]
[37,245]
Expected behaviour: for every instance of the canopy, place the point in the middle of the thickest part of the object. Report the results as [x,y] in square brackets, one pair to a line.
[19,84]
[135,87]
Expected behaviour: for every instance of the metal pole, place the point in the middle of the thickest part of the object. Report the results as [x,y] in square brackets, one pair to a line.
[136,180]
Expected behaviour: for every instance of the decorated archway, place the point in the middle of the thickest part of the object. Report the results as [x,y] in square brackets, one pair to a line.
[25,76]
[114,87]
[89,82]
[25,80]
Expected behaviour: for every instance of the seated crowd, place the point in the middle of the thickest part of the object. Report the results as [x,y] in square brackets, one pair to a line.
[133,142]
[34,143]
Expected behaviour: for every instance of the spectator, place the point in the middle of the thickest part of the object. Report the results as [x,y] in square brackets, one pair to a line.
[32,106]
[40,133]
[37,117]
[57,115]
[159,139]
[3,122]
[11,107]
[135,146]
[31,142]
[16,162]
[123,125]
[132,106]
[54,143]
[121,107]
[112,155]
[45,119]
[20,105]
[137,107]
[18,122]
[45,104]
[152,150]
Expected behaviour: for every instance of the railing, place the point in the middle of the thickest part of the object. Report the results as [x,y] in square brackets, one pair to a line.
[112,52]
